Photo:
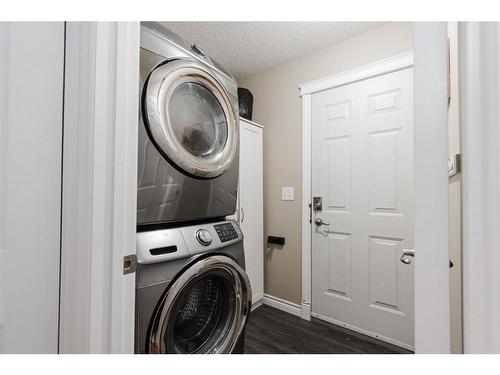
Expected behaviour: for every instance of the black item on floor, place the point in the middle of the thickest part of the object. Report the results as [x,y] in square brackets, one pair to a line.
[245,100]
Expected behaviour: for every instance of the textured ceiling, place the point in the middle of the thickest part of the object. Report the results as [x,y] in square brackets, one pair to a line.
[246,48]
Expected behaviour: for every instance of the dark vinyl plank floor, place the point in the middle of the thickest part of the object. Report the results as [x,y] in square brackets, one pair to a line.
[272,331]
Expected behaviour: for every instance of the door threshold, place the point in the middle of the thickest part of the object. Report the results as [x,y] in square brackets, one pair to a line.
[363,331]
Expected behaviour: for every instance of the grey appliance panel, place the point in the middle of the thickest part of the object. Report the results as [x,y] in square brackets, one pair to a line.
[153,279]
[161,41]
[164,193]
[160,246]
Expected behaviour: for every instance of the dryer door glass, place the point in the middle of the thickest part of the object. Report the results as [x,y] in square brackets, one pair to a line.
[204,310]
[198,120]
[191,118]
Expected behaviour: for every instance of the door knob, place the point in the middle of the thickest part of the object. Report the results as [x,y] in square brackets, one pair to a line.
[407,253]
[319,222]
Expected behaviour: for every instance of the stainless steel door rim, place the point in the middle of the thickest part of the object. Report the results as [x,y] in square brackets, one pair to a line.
[242,304]
[162,83]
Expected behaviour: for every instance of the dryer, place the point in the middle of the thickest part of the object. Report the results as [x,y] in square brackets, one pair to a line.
[188,132]
[192,292]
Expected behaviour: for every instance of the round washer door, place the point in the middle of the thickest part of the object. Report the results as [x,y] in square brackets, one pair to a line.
[204,310]
[190,118]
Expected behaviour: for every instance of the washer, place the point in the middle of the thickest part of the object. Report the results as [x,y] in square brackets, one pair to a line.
[188,132]
[192,292]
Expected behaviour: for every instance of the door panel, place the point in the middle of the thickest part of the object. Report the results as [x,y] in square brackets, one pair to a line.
[338,163]
[31,107]
[362,167]
[251,205]
[338,265]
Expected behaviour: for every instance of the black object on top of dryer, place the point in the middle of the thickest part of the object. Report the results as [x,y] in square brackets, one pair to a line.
[245,100]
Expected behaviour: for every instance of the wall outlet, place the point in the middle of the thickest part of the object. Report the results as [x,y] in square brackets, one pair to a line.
[287,194]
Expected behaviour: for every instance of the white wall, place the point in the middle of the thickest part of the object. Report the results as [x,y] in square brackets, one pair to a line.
[31,76]
[277,107]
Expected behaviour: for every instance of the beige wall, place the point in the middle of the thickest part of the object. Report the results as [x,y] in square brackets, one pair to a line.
[277,107]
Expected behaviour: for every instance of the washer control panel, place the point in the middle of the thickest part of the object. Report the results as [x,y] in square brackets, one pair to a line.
[165,245]
[226,232]
[204,237]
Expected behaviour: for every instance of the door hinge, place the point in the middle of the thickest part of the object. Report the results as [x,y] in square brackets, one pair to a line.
[129,264]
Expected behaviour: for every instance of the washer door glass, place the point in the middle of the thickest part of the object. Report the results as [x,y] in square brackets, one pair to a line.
[204,310]
[191,118]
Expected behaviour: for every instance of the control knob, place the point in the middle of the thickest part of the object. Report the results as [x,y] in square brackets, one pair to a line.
[204,237]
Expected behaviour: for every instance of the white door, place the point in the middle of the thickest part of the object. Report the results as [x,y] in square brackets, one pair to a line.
[363,169]
[31,107]
[252,205]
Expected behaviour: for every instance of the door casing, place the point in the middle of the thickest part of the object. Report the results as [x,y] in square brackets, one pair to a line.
[97,303]
[430,47]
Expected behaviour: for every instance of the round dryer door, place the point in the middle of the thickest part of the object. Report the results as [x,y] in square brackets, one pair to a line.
[204,310]
[190,118]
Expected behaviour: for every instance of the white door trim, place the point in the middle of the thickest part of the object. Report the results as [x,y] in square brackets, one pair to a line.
[392,64]
[389,65]
[432,277]
[479,96]
[99,187]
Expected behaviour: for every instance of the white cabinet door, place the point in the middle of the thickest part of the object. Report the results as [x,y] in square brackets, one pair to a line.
[31,99]
[362,168]
[252,204]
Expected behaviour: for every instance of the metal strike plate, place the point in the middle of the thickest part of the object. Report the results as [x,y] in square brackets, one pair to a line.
[455,165]
[129,264]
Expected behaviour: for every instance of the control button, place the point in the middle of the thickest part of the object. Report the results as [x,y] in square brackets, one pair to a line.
[226,232]
[204,237]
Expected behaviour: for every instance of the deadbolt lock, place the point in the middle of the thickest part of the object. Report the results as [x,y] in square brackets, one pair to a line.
[317,204]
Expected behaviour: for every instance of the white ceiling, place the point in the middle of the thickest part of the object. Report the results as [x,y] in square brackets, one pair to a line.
[246,48]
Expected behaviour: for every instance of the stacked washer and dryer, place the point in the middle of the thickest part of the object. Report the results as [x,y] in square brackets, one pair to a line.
[192,292]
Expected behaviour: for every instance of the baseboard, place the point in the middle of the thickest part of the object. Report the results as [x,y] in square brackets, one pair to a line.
[256,304]
[257,297]
[363,331]
[281,304]
[305,311]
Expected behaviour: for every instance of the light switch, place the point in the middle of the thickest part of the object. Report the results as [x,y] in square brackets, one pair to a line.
[287,194]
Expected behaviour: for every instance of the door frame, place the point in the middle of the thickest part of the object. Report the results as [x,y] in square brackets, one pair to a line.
[431,234]
[378,68]
[98,220]
[479,96]
[432,276]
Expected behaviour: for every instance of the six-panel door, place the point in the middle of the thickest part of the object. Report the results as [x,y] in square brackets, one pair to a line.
[363,168]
